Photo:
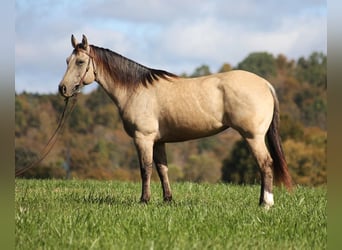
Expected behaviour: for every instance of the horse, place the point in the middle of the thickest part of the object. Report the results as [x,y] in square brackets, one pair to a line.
[159,107]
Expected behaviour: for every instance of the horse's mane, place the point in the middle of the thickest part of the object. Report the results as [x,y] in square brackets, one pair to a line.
[126,72]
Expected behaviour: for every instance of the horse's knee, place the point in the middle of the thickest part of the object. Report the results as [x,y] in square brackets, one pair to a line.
[162,170]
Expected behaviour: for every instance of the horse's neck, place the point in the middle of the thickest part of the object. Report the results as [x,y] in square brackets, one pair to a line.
[118,94]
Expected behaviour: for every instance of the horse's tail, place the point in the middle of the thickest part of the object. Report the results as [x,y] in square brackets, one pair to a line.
[280,169]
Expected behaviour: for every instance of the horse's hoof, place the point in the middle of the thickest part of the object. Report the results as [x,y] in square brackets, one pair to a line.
[168,199]
[144,201]
[266,206]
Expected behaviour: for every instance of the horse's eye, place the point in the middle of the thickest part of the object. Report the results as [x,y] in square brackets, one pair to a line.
[79,62]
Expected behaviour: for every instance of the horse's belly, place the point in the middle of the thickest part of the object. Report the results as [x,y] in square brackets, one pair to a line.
[188,131]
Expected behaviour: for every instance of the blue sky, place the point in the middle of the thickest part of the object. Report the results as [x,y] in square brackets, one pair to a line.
[177,36]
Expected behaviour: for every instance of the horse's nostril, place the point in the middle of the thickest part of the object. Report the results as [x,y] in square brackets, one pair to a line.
[62,89]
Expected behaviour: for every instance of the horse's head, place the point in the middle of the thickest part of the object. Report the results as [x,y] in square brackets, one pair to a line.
[80,70]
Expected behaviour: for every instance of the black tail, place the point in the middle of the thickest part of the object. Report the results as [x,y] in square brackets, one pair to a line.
[280,169]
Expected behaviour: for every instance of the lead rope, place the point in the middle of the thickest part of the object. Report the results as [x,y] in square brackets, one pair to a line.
[46,150]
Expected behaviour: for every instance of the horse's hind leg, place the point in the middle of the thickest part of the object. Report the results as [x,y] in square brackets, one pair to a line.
[264,160]
[159,157]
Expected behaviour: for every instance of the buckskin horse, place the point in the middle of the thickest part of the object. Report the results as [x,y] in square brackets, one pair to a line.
[157,107]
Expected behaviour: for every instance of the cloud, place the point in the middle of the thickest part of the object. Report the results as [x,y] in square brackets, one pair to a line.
[214,41]
[174,35]
[148,11]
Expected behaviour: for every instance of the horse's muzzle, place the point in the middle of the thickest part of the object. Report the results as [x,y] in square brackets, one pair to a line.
[63,90]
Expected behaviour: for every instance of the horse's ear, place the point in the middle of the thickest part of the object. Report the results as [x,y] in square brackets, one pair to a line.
[73,41]
[85,41]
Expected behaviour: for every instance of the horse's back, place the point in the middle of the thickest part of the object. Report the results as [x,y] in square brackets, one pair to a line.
[233,89]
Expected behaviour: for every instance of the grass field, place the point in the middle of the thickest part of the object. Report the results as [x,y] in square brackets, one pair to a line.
[59,214]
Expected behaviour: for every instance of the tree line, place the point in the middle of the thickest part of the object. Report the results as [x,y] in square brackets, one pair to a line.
[94,144]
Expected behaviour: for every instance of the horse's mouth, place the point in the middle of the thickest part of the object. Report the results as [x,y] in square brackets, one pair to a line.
[76,89]
[63,90]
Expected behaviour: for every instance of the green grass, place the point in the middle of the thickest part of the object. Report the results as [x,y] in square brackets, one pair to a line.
[57,214]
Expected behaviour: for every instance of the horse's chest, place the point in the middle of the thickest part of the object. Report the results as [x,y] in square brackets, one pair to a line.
[144,122]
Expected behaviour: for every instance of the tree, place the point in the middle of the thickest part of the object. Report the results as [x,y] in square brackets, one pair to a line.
[313,69]
[281,62]
[313,105]
[260,63]
[225,68]
[201,71]
[240,167]
[20,119]
[307,162]
[97,99]
[202,168]
[284,66]
[206,144]
[107,116]
[25,157]
[290,129]
[80,120]
[26,113]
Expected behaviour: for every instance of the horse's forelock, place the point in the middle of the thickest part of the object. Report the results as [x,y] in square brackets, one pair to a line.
[79,48]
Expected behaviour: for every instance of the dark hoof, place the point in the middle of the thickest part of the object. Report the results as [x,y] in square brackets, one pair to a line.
[144,201]
[168,199]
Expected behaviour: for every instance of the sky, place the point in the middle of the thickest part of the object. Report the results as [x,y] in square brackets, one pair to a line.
[177,36]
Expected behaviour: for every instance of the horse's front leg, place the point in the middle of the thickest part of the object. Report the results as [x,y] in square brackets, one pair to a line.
[159,157]
[144,148]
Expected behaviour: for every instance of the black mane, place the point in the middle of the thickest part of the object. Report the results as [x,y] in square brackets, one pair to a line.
[126,72]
